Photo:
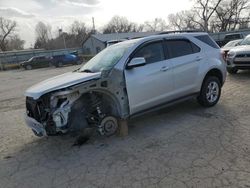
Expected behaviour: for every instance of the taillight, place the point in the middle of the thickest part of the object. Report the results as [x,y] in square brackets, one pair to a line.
[223,55]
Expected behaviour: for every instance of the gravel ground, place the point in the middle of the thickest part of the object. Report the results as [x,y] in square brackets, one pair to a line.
[182,146]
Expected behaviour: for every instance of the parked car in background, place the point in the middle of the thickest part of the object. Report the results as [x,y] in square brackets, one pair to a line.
[239,56]
[36,62]
[65,59]
[228,46]
[125,80]
[233,36]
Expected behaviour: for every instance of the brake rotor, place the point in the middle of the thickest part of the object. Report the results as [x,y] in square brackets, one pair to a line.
[109,125]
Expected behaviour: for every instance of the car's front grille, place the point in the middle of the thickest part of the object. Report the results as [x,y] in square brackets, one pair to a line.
[242,55]
[242,63]
[243,59]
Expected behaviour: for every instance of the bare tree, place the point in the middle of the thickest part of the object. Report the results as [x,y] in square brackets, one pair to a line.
[121,25]
[78,33]
[184,20]
[43,35]
[7,28]
[158,24]
[244,22]
[15,43]
[78,28]
[204,10]
[230,14]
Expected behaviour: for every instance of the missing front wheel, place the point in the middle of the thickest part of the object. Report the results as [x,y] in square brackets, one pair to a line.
[108,126]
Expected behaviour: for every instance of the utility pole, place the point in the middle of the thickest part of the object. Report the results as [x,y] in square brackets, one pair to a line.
[61,33]
[93,23]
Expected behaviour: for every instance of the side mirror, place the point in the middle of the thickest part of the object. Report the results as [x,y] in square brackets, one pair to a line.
[136,62]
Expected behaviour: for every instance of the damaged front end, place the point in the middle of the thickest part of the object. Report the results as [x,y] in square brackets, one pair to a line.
[93,105]
[49,115]
[69,111]
[93,96]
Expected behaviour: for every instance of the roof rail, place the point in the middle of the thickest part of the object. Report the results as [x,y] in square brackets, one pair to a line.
[179,31]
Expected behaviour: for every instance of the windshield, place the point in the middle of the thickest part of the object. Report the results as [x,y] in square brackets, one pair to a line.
[107,58]
[31,59]
[232,43]
[246,41]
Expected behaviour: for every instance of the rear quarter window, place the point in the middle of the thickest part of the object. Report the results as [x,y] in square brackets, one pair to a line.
[206,39]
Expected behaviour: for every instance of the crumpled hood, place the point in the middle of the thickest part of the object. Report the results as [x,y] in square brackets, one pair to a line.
[241,49]
[60,82]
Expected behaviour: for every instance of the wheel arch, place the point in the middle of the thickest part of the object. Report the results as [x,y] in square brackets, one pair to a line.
[214,72]
[108,97]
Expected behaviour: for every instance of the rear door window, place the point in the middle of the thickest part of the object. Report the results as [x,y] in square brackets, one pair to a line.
[181,47]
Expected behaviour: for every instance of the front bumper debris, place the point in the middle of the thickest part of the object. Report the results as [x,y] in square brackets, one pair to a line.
[37,127]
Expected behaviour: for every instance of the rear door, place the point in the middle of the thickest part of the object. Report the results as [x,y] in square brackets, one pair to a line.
[151,84]
[186,59]
[35,62]
[40,61]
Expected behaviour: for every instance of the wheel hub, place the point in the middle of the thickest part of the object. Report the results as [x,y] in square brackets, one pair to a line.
[212,92]
[108,126]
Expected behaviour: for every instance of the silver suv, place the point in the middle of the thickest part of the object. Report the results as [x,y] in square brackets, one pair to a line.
[239,56]
[126,80]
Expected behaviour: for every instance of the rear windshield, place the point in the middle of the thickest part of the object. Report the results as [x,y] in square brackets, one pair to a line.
[206,39]
[232,36]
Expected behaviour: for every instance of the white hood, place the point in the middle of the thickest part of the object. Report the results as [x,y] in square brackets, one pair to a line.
[243,48]
[60,82]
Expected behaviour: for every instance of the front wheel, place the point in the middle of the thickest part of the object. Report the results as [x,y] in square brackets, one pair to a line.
[28,67]
[210,92]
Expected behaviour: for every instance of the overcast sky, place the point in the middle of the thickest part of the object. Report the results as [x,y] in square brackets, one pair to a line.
[61,13]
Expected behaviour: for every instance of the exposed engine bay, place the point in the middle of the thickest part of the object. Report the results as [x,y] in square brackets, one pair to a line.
[89,105]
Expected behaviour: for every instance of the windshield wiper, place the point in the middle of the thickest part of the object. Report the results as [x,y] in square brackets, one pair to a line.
[87,70]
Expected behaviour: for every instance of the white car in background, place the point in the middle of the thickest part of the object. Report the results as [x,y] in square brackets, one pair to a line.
[238,58]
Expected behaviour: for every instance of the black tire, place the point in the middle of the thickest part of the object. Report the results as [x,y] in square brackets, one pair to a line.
[59,64]
[208,96]
[232,70]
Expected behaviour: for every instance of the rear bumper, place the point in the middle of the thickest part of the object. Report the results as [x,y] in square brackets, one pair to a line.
[37,127]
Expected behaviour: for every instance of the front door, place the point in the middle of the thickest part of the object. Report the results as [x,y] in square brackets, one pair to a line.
[151,84]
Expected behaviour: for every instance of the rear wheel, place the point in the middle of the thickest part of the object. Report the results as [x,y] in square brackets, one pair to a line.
[210,92]
[28,67]
[59,64]
[232,70]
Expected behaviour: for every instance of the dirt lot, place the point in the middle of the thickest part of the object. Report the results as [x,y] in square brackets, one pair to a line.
[182,146]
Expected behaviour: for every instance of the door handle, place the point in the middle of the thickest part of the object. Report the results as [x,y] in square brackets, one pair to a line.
[198,58]
[164,68]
